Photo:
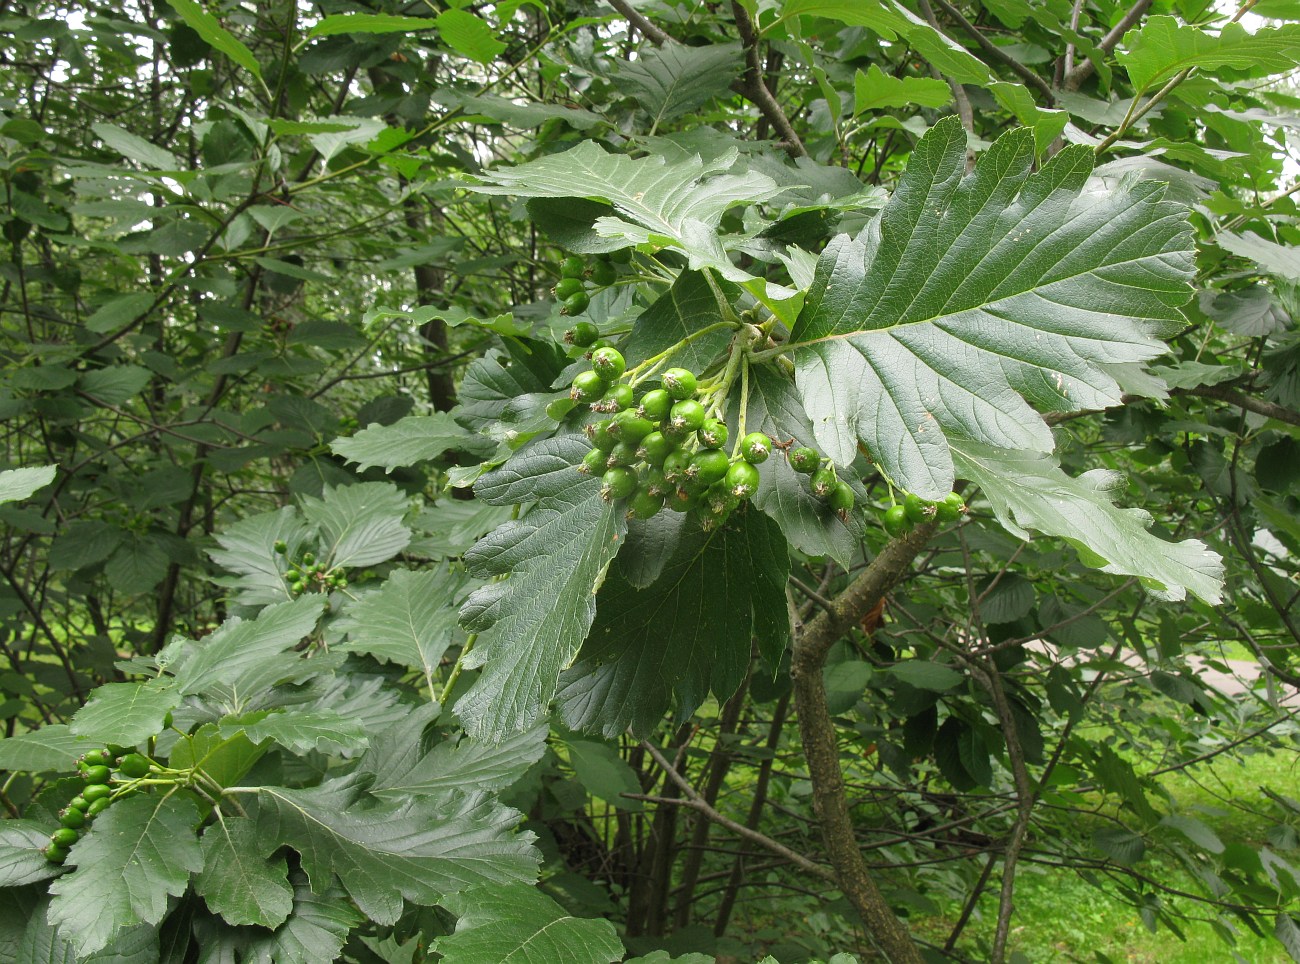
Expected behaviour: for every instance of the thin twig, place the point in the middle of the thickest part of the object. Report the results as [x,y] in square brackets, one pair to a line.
[1074,77]
[997,53]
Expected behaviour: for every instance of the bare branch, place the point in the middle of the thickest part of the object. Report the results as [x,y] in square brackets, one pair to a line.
[754,87]
[1076,75]
[638,20]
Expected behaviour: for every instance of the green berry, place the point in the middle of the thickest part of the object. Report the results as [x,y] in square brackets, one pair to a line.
[707,467]
[583,334]
[64,837]
[281,547]
[622,454]
[96,791]
[618,398]
[593,463]
[80,802]
[645,504]
[600,436]
[681,501]
[755,448]
[895,520]
[97,774]
[841,497]
[575,304]
[712,434]
[617,483]
[675,466]
[805,460]
[95,758]
[342,583]
[918,509]
[628,426]
[823,481]
[98,806]
[133,765]
[308,558]
[687,415]
[56,854]
[655,447]
[568,287]
[587,387]
[950,509]
[603,273]
[742,480]
[72,818]
[573,267]
[654,482]
[655,404]
[608,363]
[679,383]
[720,500]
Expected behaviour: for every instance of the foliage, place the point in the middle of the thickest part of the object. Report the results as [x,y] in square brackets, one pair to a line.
[391,571]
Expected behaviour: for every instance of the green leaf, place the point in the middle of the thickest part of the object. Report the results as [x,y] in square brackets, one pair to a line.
[469,766]
[680,312]
[453,525]
[323,730]
[137,149]
[926,675]
[418,849]
[142,852]
[469,36]
[237,881]
[1162,47]
[968,295]
[1195,831]
[1016,98]
[315,931]
[505,393]
[1247,311]
[19,484]
[520,925]
[1277,259]
[118,312]
[22,860]
[1028,490]
[1006,599]
[877,90]
[52,748]
[1287,932]
[688,633]
[126,713]
[248,550]
[531,624]
[359,525]
[673,79]
[604,774]
[1120,844]
[238,654]
[216,36]
[115,385]
[42,943]
[415,439]
[225,759]
[368,23]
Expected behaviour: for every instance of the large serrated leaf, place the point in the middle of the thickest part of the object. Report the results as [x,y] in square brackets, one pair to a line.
[53,747]
[237,880]
[1028,490]
[468,767]
[1163,46]
[142,852]
[505,393]
[359,525]
[315,930]
[531,625]
[414,439]
[237,655]
[323,730]
[18,484]
[969,295]
[21,858]
[419,849]
[248,550]
[680,313]
[671,80]
[126,713]
[688,633]
[519,924]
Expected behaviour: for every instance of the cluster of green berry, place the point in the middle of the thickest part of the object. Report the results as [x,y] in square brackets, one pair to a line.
[663,448]
[103,786]
[822,481]
[899,520]
[308,574]
[571,289]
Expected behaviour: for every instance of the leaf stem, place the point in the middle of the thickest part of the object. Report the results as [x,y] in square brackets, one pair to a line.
[645,369]
[455,670]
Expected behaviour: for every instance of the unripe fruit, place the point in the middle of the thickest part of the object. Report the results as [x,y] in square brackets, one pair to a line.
[281,547]
[918,510]
[653,481]
[599,435]
[97,806]
[56,854]
[681,501]
[64,837]
[98,757]
[616,399]
[568,287]
[841,497]
[575,304]
[583,334]
[603,274]
[720,500]
[572,267]
[823,481]
[97,774]
[628,426]
[655,448]
[707,467]
[895,521]
[755,448]
[742,480]
[805,460]
[675,466]
[593,463]
[560,407]
[645,504]
[622,454]
[655,404]
[133,765]
[72,817]
[96,791]
[951,508]
[712,434]
[679,383]
[687,415]
[617,483]
[608,363]
[587,387]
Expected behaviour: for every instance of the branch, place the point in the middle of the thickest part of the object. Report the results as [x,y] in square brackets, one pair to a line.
[997,53]
[821,749]
[753,86]
[639,21]
[1242,400]
[1074,77]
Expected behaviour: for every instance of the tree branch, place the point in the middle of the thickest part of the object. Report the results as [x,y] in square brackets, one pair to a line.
[639,21]
[1243,401]
[754,87]
[1075,76]
[995,52]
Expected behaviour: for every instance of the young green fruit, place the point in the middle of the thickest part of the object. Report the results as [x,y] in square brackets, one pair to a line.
[742,480]
[572,267]
[628,426]
[681,501]
[56,854]
[823,481]
[707,467]
[97,806]
[593,463]
[895,521]
[656,404]
[617,483]
[679,383]
[687,415]
[583,334]
[575,304]
[805,460]
[950,509]
[618,398]
[79,802]
[608,363]
[599,435]
[653,481]
[587,387]
[281,547]
[603,274]
[560,407]
[918,510]
[97,774]
[755,448]
[64,837]
[712,434]
[622,454]
[72,818]
[720,501]
[133,765]
[96,791]
[675,466]
[841,498]
[655,448]
[567,288]
[93,758]
[645,504]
